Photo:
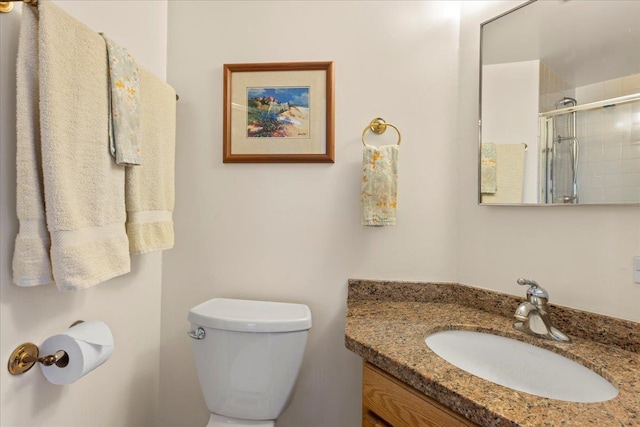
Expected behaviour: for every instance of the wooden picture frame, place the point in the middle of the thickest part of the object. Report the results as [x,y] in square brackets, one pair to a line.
[278,113]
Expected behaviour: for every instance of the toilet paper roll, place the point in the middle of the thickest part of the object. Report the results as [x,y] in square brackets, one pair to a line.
[88,346]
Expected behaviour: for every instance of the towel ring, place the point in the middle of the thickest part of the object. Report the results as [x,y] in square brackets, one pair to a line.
[379,126]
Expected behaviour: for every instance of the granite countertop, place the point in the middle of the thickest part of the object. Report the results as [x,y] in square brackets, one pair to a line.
[387,322]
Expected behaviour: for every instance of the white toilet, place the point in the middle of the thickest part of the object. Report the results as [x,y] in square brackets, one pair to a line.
[248,355]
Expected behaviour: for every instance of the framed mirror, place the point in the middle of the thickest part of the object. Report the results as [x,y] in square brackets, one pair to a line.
[560,104]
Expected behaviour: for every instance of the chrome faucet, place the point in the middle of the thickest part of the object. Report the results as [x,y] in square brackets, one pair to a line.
[533,316]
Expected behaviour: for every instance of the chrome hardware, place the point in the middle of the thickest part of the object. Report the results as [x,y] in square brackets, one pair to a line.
[534,290]
[198,334]
[532,315]
[530,282]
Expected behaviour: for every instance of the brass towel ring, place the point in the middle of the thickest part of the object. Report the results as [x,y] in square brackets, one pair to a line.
[379,126]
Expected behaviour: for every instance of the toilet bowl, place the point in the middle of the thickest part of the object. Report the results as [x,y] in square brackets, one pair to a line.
[248,355]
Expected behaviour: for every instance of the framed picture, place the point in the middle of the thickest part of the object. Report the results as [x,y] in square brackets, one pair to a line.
[278,113]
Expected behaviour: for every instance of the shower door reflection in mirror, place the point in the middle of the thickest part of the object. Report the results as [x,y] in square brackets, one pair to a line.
[560,104]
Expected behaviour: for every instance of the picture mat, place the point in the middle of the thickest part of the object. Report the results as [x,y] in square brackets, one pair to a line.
[314,79]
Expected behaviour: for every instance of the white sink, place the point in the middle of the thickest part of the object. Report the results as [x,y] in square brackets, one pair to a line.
[520,366]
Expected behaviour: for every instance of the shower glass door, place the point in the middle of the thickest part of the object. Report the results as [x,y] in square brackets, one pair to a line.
[563,166]
[559,159]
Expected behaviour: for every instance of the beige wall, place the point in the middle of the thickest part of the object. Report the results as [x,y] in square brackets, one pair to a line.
[582,255]
[292,232]
[124,391]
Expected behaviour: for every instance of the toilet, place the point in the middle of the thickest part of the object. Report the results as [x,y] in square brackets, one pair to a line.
[248,355]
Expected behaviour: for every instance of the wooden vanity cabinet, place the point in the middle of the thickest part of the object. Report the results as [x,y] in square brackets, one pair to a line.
[387,402]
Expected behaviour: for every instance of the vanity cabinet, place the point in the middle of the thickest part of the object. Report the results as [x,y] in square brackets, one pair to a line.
[387,402]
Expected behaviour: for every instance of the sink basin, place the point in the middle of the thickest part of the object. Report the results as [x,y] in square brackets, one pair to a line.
[520,366]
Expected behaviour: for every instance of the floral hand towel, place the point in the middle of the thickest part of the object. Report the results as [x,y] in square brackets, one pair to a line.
[488,168]
[379,187]
[124,105]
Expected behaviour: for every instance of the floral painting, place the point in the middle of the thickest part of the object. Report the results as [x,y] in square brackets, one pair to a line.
[278,112]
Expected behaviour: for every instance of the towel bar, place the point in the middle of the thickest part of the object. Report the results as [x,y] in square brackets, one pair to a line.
[7,6]
[379,126]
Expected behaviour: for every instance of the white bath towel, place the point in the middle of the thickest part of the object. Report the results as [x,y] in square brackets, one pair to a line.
[31,263]
[509,174]
[150,191]
[83,188]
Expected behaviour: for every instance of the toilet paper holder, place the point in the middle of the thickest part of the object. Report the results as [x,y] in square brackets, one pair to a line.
[26,355]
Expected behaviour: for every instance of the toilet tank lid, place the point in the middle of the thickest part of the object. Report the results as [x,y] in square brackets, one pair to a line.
[251,316]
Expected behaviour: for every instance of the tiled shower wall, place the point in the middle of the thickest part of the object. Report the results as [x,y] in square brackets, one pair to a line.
[609,155]
[553,87]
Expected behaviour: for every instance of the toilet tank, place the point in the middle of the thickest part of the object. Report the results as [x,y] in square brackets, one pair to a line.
[250,356]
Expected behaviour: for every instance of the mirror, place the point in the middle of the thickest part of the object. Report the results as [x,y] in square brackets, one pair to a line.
[560,104]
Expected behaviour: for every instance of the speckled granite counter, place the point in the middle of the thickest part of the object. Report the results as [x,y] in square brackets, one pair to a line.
[387,322]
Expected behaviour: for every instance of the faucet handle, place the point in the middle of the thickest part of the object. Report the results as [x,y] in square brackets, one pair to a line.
[534,290]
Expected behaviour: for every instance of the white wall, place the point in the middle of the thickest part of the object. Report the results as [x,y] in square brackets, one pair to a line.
[124,391]
[582,255]
[510,97]
[292,232]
